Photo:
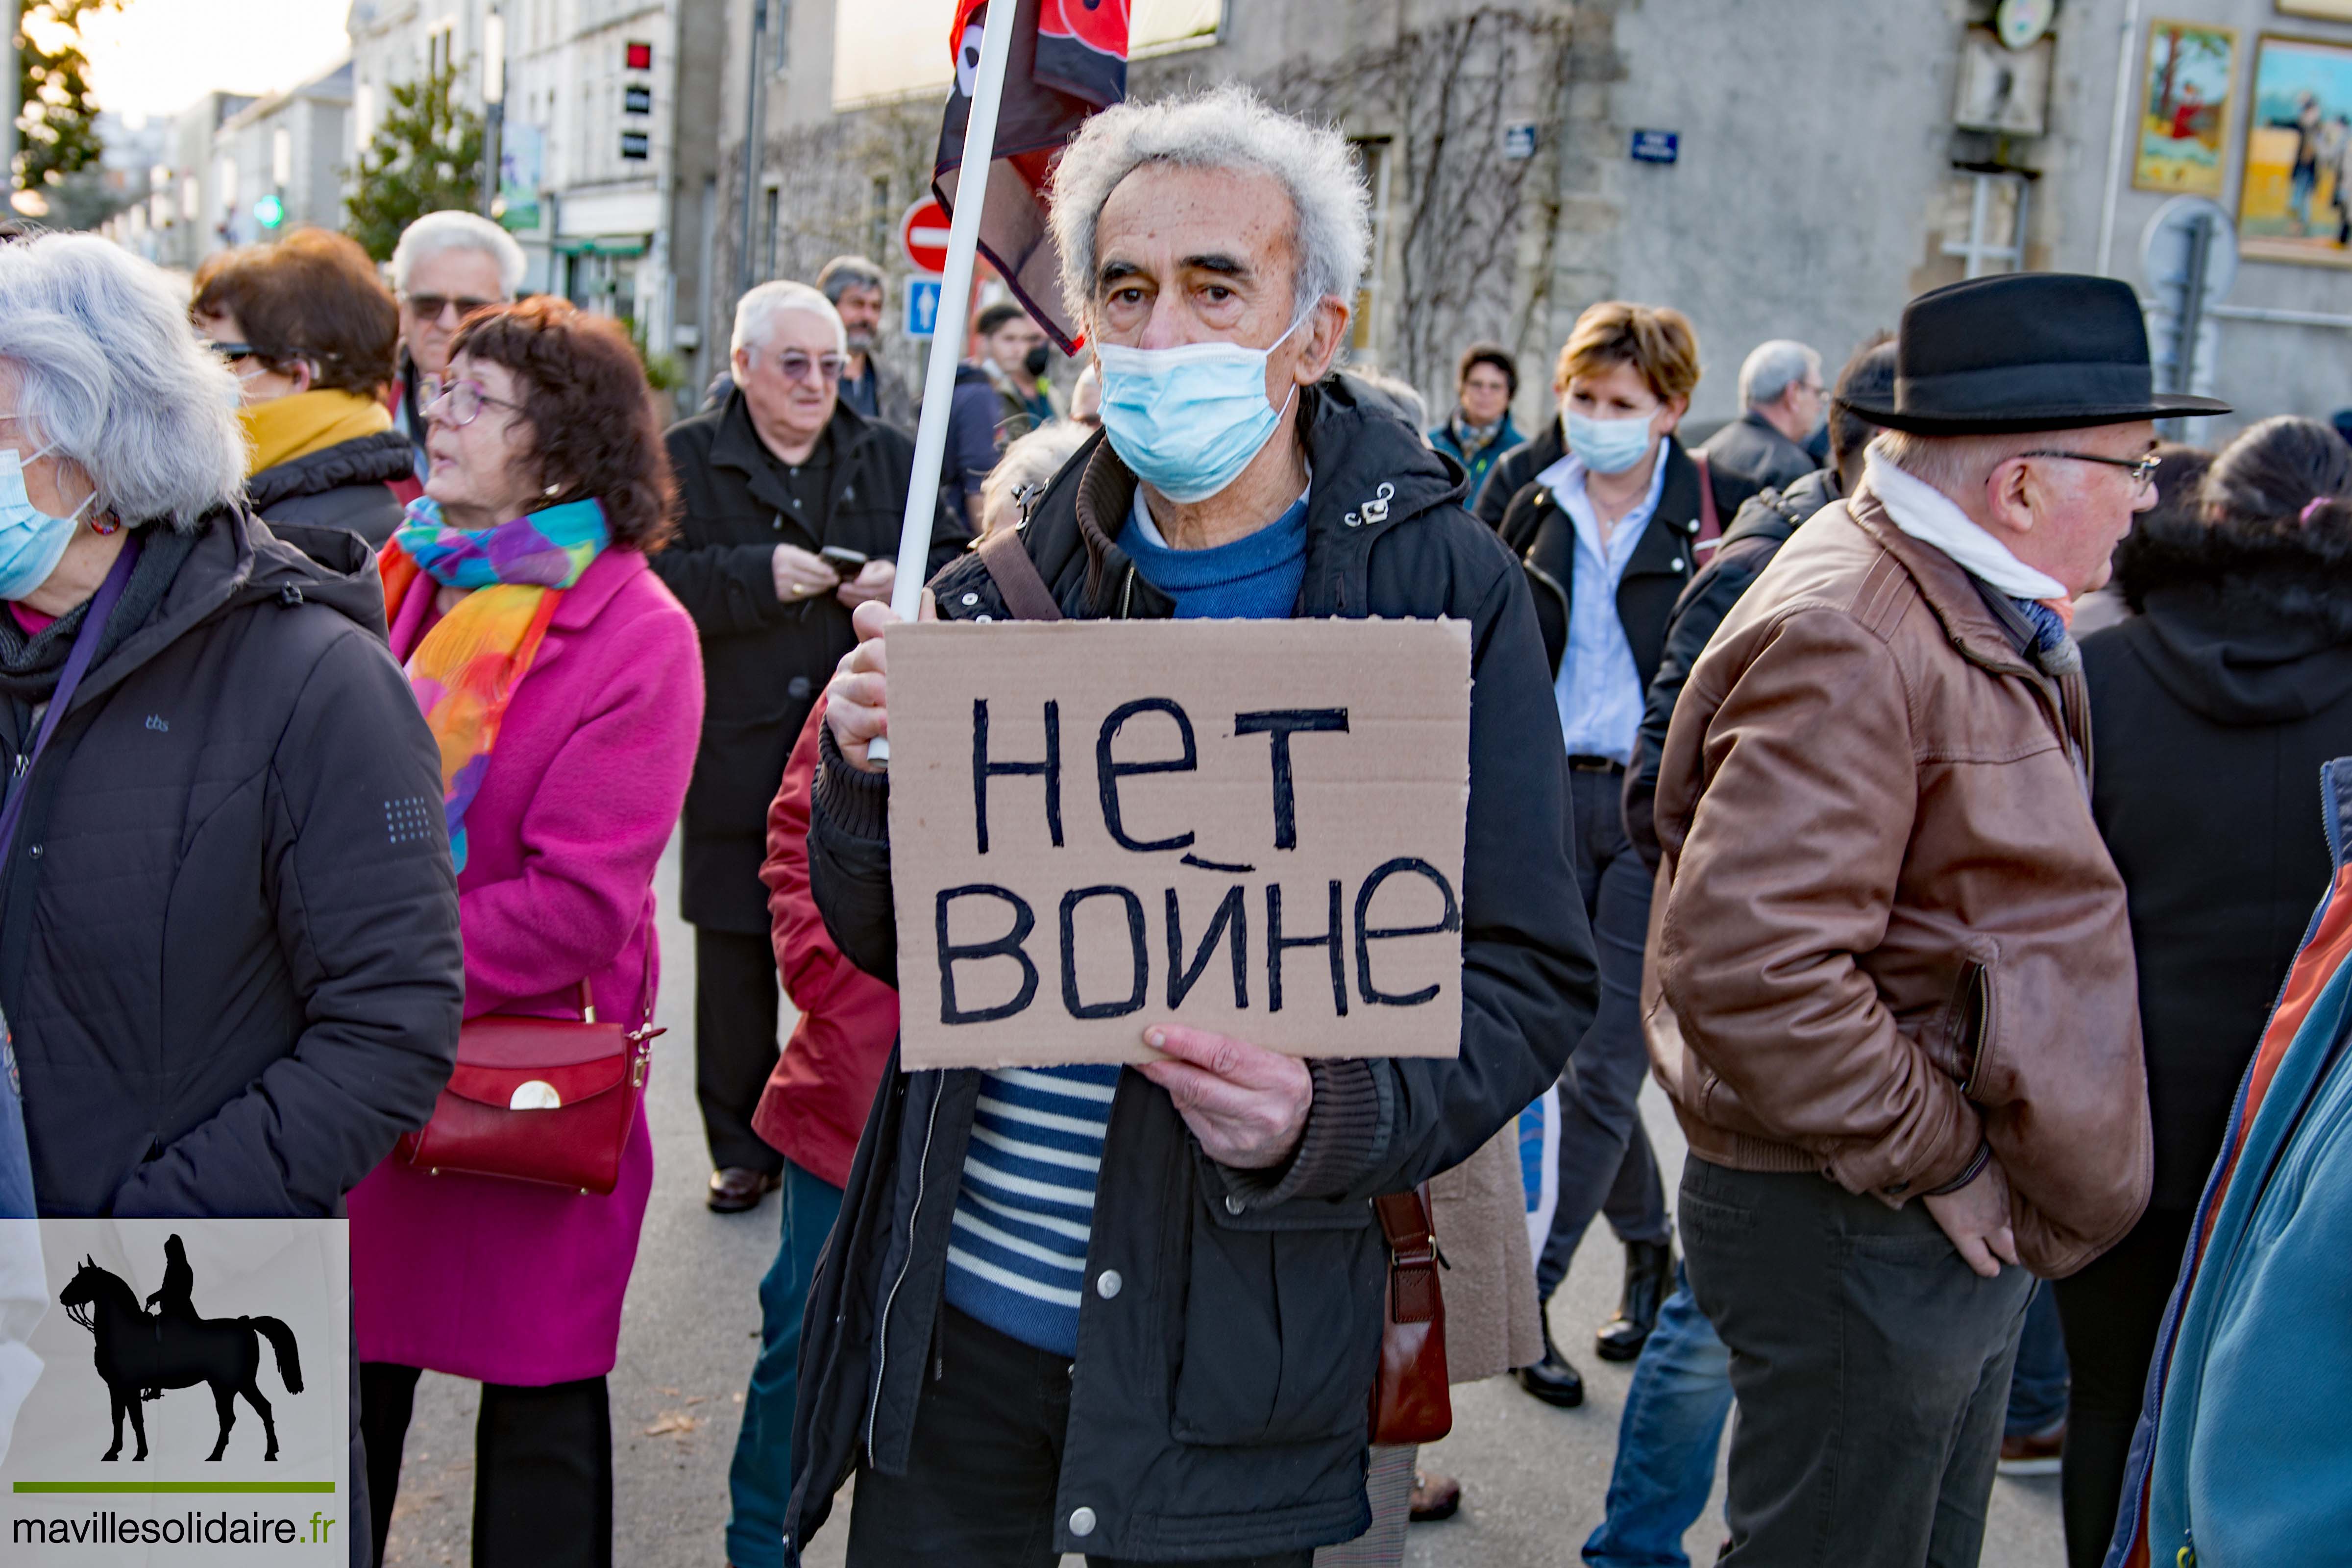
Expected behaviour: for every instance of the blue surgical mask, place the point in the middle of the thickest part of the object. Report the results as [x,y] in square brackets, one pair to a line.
[31,540]
[1187,420]
[1607,446]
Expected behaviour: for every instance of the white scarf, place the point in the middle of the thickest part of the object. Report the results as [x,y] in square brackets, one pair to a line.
[1931,517]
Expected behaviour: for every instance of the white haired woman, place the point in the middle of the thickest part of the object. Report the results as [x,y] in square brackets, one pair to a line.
[447,266]
[228,960]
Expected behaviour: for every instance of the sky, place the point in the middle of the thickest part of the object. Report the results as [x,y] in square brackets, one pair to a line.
[157,57]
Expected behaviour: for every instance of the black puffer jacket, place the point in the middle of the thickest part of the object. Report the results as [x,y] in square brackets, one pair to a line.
[2212,714]
[1755,536]
[342,486]
[1516,469]
[228,929]
[1219,1407]
[764,660]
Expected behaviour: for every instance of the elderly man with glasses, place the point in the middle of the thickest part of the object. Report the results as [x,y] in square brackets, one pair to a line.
[1892,993]
[447,266]
[791,501]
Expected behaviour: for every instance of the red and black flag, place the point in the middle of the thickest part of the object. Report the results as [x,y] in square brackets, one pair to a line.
[1068,59]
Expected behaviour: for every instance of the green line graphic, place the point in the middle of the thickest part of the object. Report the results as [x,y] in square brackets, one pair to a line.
[122,1486]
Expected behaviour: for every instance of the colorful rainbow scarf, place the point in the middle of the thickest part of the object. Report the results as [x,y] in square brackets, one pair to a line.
[465,670]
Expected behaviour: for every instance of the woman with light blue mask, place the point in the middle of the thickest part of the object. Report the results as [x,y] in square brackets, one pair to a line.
[230,980]
[1612,518]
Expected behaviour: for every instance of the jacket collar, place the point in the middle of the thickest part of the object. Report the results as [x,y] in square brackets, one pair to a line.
[613,569]
[737,445]
[1372,473]
[1950,591]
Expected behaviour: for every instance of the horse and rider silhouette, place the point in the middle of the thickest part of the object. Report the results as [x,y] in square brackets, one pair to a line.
[139,1354]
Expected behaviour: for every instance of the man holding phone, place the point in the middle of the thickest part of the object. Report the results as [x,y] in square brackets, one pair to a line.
[791,507]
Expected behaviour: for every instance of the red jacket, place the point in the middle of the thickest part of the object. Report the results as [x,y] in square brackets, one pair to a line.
[816,1099]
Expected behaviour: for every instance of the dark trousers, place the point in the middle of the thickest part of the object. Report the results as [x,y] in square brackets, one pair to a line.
[735,997]
[978,1491]
[542,1467]
[1606,1164]
[2113,1310]
[1870,1365]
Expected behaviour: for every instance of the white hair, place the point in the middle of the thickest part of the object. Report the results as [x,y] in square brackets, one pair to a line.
[1231,128]
[842,273]
[1773,368]
[1956,465]
[437,232]
[761,305]
[109,373]
[1031,460]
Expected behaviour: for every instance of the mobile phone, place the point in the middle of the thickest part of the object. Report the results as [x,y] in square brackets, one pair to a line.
[842,558]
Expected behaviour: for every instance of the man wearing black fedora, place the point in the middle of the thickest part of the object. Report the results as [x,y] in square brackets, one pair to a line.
[1891,991]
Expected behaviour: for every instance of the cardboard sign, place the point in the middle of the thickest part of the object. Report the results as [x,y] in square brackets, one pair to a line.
[1249,827]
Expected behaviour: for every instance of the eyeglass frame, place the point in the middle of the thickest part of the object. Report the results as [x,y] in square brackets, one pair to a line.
[466,305]
[2142,468]
[815,363]
[447,389]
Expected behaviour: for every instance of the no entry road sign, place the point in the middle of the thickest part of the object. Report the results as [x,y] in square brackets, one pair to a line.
[923,236]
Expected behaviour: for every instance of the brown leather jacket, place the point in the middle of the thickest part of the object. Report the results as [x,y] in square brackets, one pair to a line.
[1887,929]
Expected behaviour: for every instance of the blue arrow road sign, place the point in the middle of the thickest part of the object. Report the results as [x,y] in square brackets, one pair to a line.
[922,306]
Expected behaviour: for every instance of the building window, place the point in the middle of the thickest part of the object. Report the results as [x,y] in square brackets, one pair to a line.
[879,220]
[1985,218]
[784,29]
[768,243]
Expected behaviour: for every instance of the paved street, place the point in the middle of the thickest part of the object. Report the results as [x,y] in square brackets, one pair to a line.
[1534,1477]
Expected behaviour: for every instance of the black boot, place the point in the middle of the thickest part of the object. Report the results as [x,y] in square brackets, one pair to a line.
[1552,1380]
[1649,1275]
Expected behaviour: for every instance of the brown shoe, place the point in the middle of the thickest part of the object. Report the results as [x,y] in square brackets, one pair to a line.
[1435,1498]
[734,1190]
[2033,1453]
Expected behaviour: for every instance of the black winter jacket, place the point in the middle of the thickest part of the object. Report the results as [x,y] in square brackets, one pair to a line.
[1543,536]
[228,929]
[1515,470]
[764,660]
[1749,450]
[342,486]
[1219,1404]
[2212,714]
[1747,546]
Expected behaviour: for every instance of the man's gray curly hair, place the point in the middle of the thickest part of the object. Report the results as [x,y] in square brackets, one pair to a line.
[1229,127]
[108,372]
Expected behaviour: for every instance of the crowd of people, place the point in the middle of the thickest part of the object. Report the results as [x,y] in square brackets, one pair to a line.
[1927,781]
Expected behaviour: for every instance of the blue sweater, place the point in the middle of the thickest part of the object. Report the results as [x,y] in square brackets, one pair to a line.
[1025,1210]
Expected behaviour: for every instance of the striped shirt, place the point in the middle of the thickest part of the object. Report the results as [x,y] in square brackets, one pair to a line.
[1017,1254]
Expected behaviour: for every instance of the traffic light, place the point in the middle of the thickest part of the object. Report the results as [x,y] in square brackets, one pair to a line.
[269,211]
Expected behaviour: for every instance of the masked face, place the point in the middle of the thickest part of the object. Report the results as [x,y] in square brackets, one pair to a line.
[1187,420]
[32,542]
[1614,420]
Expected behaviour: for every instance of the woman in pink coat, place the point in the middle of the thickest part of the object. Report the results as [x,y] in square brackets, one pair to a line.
[565,686]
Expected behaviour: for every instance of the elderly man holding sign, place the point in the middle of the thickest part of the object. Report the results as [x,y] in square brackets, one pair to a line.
[1137,1314]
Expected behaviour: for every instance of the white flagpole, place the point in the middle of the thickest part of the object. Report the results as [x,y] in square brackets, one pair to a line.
[948,331]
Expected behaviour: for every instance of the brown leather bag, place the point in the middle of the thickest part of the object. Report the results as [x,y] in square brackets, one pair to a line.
[1410,1400]
[540,1099]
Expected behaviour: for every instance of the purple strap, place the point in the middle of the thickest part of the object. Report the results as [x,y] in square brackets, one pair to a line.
[85,648]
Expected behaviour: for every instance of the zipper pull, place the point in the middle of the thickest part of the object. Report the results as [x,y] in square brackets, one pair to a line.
[23,762]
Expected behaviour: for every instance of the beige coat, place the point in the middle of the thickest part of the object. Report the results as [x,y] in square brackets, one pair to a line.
[1491,1318]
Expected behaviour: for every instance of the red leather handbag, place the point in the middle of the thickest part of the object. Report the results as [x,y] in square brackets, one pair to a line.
[540,1099]
[1410,1400]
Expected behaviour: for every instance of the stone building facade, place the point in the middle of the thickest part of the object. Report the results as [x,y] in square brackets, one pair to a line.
[1820,172]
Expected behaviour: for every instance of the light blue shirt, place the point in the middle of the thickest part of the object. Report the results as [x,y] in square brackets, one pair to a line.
[1600,687]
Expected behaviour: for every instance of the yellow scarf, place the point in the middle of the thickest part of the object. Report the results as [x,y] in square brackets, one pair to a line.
[308,422]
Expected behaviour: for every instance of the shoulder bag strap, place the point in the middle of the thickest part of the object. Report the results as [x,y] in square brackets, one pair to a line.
[77,662]
[1016,577]
[1412,1253]
[1710,521]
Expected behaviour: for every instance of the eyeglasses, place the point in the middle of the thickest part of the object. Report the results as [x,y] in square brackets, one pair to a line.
[232,352]
[429,307]
[2143,468]
[797,365]
[460,403]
